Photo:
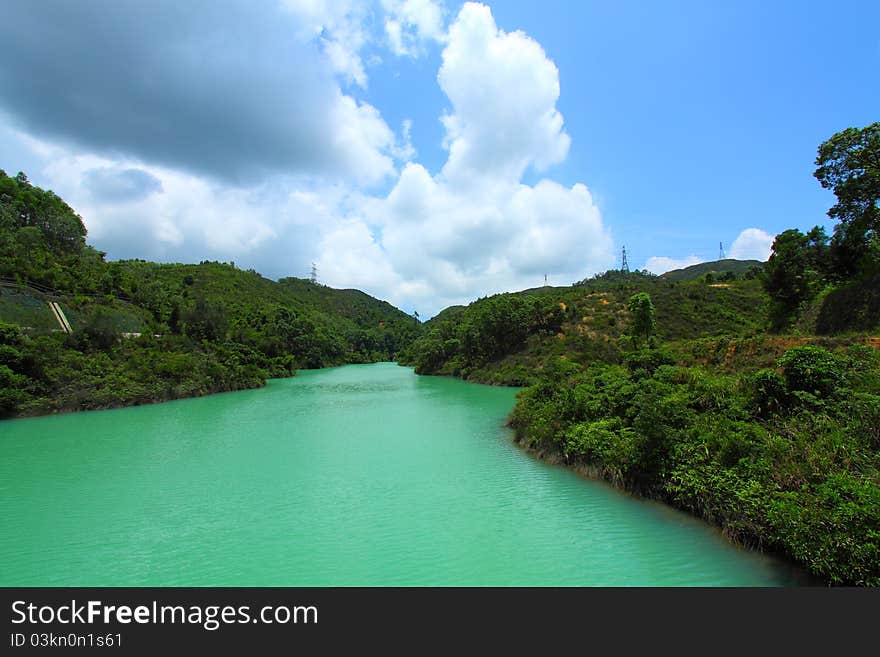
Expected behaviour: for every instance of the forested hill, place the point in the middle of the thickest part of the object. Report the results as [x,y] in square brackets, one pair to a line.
[717,269]
[144,331]
[510,338]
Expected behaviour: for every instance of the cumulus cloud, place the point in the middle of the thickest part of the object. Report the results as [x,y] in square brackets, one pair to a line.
[663,264]
[153,181]
[503,90]
[409,23]
[464,243]
[187,85]
[114,183]
[752,244]
[475,228]
[338,26]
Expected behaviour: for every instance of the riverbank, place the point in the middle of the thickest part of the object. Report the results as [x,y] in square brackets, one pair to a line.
[107,403]
[598,473]
[786,462]
[54,373]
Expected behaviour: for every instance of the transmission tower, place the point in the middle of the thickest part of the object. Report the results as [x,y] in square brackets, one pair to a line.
[314,277]
[721,255]
[624,265]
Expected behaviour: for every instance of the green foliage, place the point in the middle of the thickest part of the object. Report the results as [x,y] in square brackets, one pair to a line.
[205,321]
[619,276]
[487,330]
[740,450]
[833,527]
[646,361]
[851,306]
[811,369]
[849,165]
[204,328]
[726,270]
[794,274]
[583,323]
[43,240]
[769,392]
[642,309]
[842,273]
[100,331]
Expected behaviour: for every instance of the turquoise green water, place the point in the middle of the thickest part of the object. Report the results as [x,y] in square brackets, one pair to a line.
[359,475]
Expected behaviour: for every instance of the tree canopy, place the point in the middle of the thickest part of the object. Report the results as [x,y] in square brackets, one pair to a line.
[642,309]
[849,165]
[795,271]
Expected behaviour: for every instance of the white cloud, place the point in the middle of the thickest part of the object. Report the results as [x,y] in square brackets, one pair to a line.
[409,23]
[752,244]
[350,252]
[472,229]
[404,150]
[338,26]
[475,229]
[363,138]
[503,90]
[452,245]
[663,264]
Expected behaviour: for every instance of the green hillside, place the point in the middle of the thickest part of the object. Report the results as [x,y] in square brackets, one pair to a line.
[582,323]
[145,332]
[719,269]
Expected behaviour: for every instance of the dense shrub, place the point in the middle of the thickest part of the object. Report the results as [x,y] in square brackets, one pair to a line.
[769,393]
[811,369]
[648,360]
[764,455]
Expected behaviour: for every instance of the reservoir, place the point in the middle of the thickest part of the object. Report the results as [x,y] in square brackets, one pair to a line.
[358,475]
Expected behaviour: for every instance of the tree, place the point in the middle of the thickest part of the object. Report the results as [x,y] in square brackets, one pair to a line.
[642,308]
[795,271]
[811,369]
[100,331]
[205,321]
[849,165]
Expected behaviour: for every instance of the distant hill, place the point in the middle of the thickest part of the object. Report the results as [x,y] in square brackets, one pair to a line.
[357,306]
[509,338]
[448,313]
[134,332]
[717,267]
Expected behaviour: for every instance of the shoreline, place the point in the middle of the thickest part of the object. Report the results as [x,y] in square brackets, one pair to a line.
[594,473]
[44,411]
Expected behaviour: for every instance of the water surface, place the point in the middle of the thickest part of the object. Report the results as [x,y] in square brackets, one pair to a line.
[358,475]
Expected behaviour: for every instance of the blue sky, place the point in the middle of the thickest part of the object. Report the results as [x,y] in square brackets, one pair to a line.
[277,134]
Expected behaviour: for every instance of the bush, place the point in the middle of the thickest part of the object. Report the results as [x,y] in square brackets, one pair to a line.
[100,330]
[769,394]
[811,369]
[605,442]
[648,360]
